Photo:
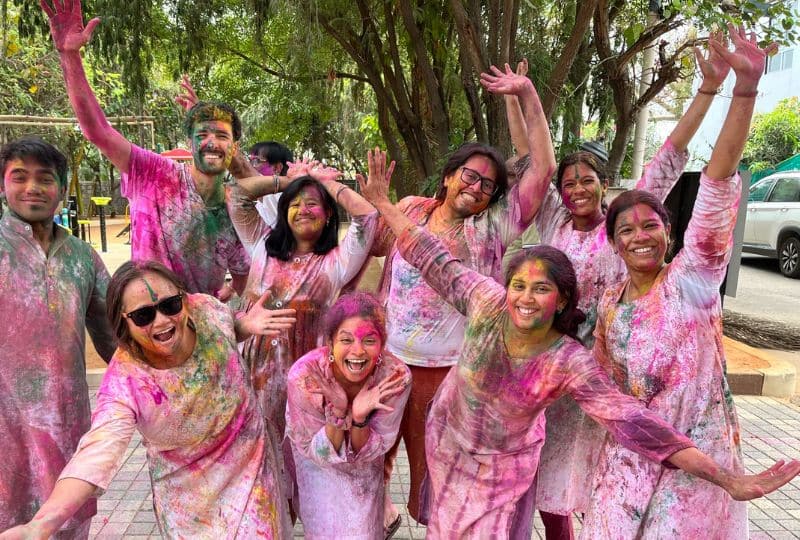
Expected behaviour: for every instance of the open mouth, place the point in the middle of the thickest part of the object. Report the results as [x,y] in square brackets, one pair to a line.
[166,335]
[644,250]
[355,366]
[526,312]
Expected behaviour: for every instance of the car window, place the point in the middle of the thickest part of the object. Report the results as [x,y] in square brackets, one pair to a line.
[759,190]
[786,190]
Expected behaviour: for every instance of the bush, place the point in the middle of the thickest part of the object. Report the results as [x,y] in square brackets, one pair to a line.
[774,136]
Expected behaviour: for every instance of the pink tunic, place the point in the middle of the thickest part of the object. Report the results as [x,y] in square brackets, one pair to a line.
[423,329]
[212,471]
[569,457]
[47,301]
[341,493]
[486,428]
[665,349]
[172,224]
[309,283]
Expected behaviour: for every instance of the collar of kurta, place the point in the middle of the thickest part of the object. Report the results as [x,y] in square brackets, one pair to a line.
[13,223]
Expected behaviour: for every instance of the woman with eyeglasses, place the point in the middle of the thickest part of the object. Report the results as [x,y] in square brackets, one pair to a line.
[178,378]
[571,217]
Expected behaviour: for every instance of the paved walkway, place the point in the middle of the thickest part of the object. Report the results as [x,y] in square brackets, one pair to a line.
[770,431]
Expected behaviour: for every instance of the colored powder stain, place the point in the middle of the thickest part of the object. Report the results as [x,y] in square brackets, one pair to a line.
[153,295]
[30,387]
[324,452]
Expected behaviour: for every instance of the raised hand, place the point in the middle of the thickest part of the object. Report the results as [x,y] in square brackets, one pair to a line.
[66,24]
[747,59]
[299,168]
[752,486]
[375,187]
[188,97]
[371,396]
[266,322]
[324,174]
[714,68]
[330,390]
[505,82]
[522,67]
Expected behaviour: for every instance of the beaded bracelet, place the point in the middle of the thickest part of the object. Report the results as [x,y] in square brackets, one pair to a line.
[339,422]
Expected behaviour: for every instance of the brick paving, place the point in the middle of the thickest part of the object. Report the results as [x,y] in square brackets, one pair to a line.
[770,431]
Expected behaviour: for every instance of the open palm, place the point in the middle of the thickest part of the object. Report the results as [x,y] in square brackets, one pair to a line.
[66,24]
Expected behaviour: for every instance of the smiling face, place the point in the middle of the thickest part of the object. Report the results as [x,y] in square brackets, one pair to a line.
[356,348]
[32,190]
[465,200]
[213,146]
[582,191]
[307,214]
[641,238]
[532,298]
[164,339]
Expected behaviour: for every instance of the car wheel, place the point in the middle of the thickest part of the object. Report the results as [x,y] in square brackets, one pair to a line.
[789,257]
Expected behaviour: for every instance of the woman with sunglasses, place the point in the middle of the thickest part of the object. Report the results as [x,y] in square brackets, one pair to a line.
[571,217]
[178,378]
[659,332]
[485,428]
[345,403]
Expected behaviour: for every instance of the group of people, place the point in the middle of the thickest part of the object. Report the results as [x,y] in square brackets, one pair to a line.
[530,346]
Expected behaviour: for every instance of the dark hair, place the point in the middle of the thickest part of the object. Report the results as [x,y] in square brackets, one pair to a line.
[629,199]
[281,242]
[466,151]
[126,273]
[561,271]
[587,158]
[39,151]
[356,304]
[204,111]
[273,152]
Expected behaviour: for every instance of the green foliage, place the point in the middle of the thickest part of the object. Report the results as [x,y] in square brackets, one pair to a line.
[774,136]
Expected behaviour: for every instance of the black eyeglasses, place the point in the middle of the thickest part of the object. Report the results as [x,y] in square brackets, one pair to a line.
[469,177]
[147,314]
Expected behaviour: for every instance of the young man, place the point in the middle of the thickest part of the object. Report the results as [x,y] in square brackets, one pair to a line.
[52,287]
[178,213]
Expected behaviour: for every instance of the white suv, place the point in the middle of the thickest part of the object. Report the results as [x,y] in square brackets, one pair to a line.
[772,227]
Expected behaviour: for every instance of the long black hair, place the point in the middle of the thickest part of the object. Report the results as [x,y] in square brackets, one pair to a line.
[281,242]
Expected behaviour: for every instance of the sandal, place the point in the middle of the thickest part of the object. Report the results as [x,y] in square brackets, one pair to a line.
[392,528]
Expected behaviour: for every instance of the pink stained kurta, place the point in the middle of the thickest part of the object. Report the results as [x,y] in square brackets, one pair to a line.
[172,224]
[213,473]
[486,428]
[665,349]
[48,301]
[309,283]
[341,493]
[574,440]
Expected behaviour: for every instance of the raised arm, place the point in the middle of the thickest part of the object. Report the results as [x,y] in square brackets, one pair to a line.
[69,35]
[534,181]
[515,116]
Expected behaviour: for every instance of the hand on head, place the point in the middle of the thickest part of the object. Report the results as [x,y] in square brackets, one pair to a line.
[66,24]
[507,82]
[375,188]
[747,59]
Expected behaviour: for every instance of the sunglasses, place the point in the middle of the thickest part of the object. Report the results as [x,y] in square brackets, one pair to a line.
[147,314]
[469,177]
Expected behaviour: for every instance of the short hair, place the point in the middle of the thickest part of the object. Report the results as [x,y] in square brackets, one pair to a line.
[589,159]
[356,304]
[37,149]
[629,199]
[280,241]
[125,274]
[462,154]
[273,152]
[560,270]
[205,111]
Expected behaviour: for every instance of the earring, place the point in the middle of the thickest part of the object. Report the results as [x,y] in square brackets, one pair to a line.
[330,358]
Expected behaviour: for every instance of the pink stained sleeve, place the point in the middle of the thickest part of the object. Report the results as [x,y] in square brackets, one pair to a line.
[626,419]
[350,256]
[663,171]
[456,283]
[101,449]
[506,217]
[146,171]
[250,228]
[551,215]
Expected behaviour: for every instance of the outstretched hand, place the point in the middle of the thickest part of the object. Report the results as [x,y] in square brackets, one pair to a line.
[330,390]
[371,396]
[266,322]
[506,82]
[747,59]
[187,98]
[66,24]
[375,188]
[714,67]
[752,486]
